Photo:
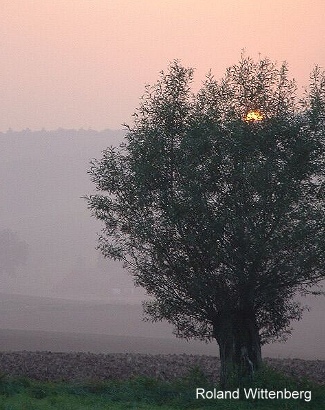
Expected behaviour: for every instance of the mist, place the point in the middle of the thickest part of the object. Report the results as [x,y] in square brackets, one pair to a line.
[44,179]
[57,291]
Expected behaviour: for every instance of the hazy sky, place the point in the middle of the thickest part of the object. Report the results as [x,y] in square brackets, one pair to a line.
[84,63]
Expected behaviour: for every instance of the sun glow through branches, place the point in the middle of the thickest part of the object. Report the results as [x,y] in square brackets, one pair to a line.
[253,116]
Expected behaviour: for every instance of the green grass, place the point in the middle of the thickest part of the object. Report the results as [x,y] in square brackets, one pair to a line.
[148,394]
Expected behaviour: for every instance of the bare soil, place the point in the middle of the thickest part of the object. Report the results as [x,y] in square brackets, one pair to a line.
[90,366]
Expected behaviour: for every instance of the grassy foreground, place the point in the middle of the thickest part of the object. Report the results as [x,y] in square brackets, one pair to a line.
[148,394]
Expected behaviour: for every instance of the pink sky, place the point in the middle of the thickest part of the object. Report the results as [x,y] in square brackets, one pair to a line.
[84,63]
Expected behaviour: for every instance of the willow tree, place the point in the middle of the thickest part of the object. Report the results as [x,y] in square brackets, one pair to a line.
[214,203]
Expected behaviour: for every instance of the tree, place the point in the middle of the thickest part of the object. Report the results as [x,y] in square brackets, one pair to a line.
[215,204]
[13,252]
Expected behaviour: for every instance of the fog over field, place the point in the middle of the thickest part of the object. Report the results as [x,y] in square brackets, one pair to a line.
[44,176]
[57,292]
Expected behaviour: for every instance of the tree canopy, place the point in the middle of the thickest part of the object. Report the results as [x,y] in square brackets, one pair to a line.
[215,202]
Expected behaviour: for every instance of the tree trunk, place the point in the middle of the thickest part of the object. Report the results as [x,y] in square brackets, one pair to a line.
[224,335]
[248,355]
[239,346]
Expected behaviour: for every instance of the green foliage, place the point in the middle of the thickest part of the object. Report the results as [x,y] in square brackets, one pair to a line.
[214,215]
[149,394]
[220,218]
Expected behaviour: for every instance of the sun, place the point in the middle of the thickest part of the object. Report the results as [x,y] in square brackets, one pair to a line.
[254,116]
